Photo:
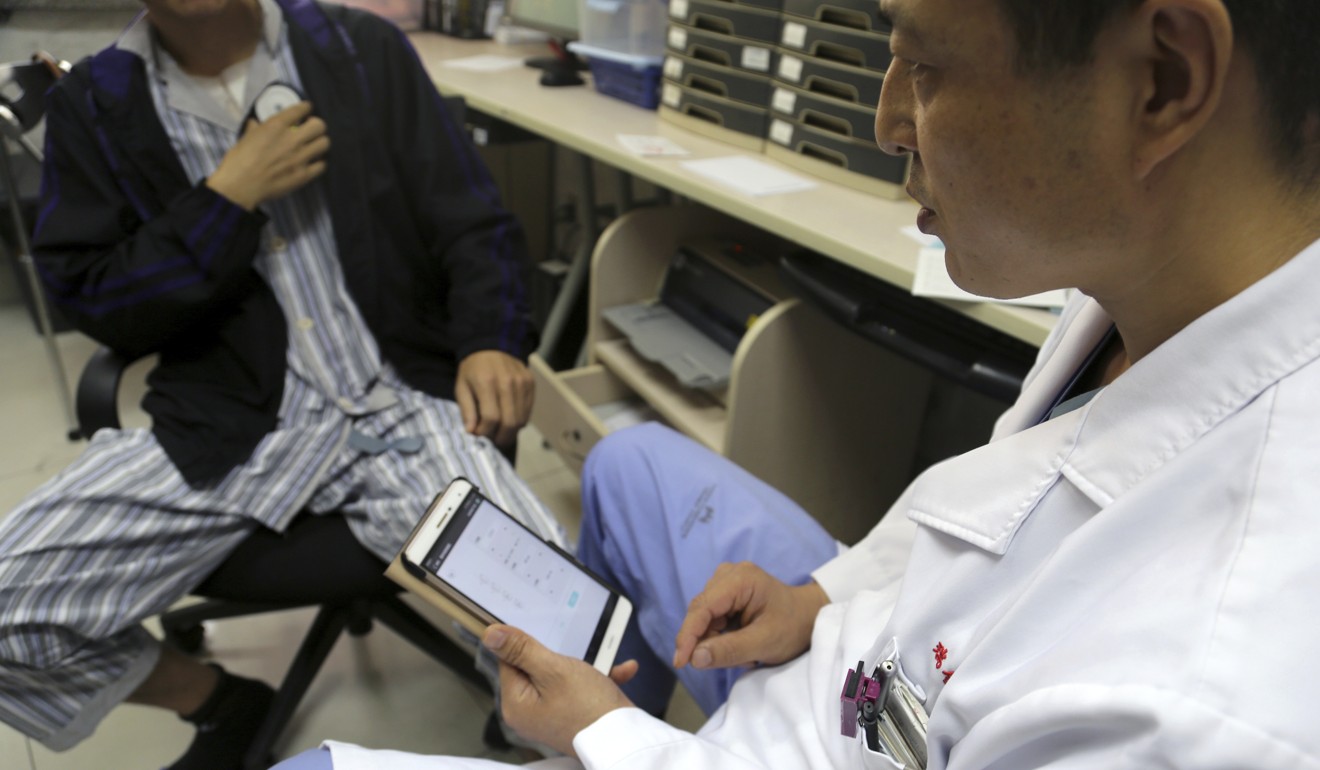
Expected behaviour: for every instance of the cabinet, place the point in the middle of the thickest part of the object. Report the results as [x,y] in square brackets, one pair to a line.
[825,416]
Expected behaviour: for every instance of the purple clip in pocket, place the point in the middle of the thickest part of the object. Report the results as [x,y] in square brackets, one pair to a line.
[860,697]
[892,719]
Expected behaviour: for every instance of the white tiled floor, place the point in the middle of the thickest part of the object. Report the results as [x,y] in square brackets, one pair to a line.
[375,690]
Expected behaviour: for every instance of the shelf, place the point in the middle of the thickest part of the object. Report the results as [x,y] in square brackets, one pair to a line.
[689,411]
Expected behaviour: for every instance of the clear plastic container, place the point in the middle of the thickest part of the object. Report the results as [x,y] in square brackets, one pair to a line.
[630,27]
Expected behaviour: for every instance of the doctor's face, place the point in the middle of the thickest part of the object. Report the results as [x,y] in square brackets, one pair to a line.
[1016,173]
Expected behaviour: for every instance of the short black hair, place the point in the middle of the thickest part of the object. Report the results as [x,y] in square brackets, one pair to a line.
[1281,36]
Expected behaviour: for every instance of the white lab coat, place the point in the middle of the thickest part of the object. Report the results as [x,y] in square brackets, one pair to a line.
[1133,584]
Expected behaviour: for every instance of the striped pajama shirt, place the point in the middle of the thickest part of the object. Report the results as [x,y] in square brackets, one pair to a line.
[118,536]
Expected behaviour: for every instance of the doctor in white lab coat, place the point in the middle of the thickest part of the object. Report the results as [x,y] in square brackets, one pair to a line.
[1128,574]
[1131,584]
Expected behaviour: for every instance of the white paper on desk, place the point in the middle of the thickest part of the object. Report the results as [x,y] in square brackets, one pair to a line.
[932,280]
[654,146]
[749,175]
[484,63]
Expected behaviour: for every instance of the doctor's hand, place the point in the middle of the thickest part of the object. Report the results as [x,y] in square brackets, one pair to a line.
[547,697]
[745,616]
[272,159]
[494,392]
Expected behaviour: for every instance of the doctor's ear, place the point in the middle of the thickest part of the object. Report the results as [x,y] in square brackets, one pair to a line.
[1184,48]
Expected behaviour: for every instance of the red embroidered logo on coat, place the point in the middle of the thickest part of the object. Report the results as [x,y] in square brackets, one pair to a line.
[941,655]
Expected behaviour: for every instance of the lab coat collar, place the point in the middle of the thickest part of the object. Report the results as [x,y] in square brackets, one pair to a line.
[984,496]
[1082,326]
[1158,408]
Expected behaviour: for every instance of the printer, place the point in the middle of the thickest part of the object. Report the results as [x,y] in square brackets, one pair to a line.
[693,327]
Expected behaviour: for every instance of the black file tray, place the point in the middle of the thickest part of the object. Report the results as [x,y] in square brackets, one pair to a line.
[987,361]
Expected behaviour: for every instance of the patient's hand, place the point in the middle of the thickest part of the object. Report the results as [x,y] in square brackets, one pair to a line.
[272,159]
[494,392]
[745,616]
[547,697]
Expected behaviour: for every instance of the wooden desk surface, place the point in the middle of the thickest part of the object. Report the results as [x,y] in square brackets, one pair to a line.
[853,227]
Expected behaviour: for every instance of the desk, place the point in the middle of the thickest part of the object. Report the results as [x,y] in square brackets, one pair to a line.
[799,381]
[855,228]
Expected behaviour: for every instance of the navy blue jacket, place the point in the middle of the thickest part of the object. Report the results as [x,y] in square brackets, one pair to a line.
[145,262]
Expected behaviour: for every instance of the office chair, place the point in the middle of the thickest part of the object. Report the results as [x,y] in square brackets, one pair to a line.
[23,89]
[271,572]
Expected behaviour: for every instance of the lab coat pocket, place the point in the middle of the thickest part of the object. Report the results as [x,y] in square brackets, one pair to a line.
[900,732]
[877,760]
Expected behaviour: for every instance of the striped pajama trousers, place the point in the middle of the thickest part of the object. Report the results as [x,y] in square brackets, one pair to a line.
[118,536]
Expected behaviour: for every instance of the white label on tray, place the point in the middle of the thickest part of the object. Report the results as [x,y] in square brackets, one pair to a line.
[790,68]
[781,131]
[671,95]
[678,38]
[784,100]
[673,67]
[754,58]
[795,34]
[678,8]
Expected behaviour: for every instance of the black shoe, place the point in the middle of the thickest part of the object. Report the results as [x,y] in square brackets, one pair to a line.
[226,724]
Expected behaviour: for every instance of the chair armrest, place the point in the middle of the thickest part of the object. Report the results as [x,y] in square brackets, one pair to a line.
[97,400]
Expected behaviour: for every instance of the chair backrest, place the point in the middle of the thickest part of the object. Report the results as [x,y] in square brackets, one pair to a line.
[23,87]
[97,399]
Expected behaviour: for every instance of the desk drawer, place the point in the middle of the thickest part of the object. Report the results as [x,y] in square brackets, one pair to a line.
[845,45]
[739,86]
[860,165]
[729,121]
[841,81]
[858,14]
[718,48]
[564,410]
[824,112]
[740,21]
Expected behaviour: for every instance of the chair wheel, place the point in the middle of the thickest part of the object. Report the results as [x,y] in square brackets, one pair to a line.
[188,639]
[359,624]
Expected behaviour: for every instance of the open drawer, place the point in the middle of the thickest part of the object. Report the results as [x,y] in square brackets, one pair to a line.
[576,408]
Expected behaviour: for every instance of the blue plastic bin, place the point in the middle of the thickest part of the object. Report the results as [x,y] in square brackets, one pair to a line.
[632,78]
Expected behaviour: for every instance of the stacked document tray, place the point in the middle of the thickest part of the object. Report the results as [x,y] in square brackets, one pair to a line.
[720,54]
[797,79]
[832,58]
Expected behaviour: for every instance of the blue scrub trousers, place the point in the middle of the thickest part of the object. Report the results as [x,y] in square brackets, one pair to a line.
[659,514]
